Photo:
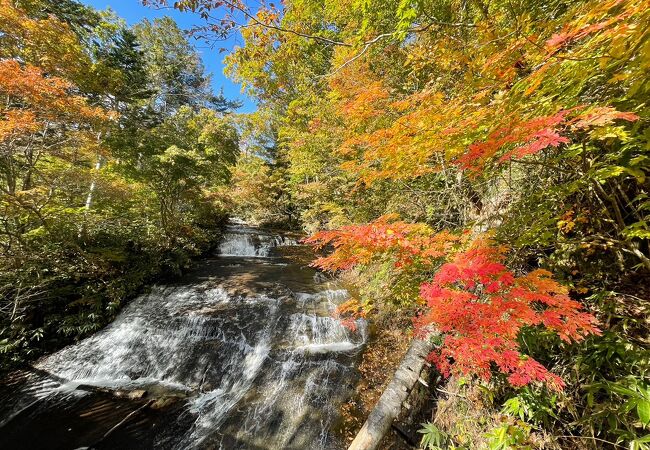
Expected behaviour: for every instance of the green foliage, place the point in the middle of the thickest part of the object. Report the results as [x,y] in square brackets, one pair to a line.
[187,154]
[621,407]
[122,56]
[510,437]
[533,406]
[257,192]
[527,118]
[433,438]
[83,19]
[176,75]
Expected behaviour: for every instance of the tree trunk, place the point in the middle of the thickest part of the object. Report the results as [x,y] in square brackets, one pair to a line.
[390,403]
[93,184]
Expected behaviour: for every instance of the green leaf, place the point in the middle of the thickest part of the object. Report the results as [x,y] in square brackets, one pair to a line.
[608,172]
[643,440]
[637,173]
[643,410]
[619,389]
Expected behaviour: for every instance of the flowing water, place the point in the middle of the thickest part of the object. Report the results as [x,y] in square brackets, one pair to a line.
[243,353]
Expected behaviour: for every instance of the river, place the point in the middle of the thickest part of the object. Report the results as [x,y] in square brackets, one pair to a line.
[241,353]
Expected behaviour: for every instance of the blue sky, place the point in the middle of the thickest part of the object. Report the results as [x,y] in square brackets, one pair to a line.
[133,11]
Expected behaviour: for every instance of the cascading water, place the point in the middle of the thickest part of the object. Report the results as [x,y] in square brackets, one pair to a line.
[245,242]
[241,354]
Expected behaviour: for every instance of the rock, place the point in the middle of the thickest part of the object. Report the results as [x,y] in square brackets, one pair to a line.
[137,394]
[164,402]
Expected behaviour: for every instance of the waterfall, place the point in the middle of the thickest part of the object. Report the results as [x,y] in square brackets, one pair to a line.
[250,351]
[241,241]
[316,334]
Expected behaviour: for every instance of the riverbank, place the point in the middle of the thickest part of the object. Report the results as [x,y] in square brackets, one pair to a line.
[388,344]
[90,285]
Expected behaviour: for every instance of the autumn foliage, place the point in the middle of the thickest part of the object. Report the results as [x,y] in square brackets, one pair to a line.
[358,244]
[525,119]
[519,139]
[481,307]
[109,166]
[474,300]
[47,99]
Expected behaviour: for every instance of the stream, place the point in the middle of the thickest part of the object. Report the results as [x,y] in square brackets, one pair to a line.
[241,353]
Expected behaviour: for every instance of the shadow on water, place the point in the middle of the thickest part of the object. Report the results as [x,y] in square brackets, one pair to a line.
[240,354]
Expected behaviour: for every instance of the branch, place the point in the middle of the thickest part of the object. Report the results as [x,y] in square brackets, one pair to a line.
[255,20]
[361,53]
[367,44]
[250,16]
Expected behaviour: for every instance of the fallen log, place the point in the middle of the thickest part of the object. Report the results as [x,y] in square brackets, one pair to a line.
[390,403]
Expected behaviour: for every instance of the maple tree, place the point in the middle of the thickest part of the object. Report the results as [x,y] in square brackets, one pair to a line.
[481,307]
[473,299]
[42,99]
[45,42]
[358,244]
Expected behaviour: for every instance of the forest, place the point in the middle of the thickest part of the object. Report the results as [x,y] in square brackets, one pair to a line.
[476,169]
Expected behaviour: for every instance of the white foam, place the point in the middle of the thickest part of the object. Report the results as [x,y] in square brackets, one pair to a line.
[327,348]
